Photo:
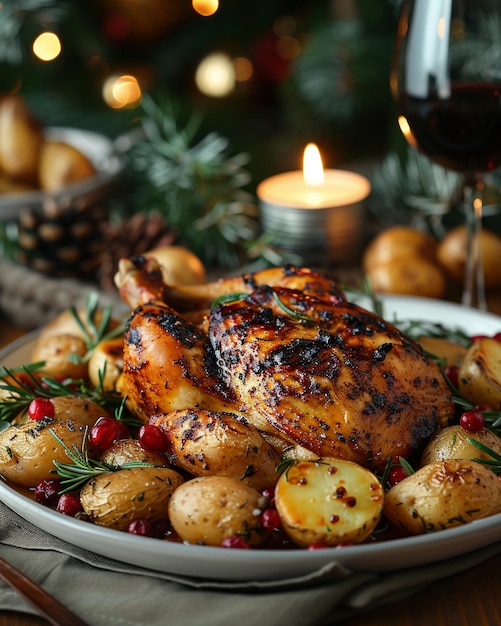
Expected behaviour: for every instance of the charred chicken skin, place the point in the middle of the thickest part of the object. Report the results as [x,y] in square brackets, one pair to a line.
[291,354]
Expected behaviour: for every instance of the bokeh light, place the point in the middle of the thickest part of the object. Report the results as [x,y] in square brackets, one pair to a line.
[121,92]
[215,75]
[243,68]
[47,46]
[205,7]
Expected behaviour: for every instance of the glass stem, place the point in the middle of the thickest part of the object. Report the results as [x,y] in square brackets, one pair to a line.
[474,287]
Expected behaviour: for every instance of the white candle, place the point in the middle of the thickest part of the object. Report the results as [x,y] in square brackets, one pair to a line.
[309,189]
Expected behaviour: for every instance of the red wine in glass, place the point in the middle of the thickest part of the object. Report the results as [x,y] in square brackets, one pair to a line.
[446,78]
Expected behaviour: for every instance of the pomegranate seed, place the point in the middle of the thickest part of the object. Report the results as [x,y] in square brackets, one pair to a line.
[235,541]
[396,474]
[141,527]
[151,438]
[40,408]
[317,546]
[69,504]
[452,373]
[270,519]
[104,432]
[46,491]
[472,421]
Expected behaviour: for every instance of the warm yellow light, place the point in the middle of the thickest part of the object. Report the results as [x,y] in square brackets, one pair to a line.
[215,75]
[243,68]
[406,131]
[205,7]
[47,46]
[313,169]
[123,91]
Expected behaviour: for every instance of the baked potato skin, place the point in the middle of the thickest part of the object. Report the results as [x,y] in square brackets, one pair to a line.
[117,498]
[452,443]
[28,451]
[209,443]
[443,494]
[208,509]
[479,376]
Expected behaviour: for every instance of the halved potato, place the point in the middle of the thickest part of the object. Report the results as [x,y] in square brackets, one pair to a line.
[329,501]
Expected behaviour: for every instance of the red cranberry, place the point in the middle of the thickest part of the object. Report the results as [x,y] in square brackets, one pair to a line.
[269,494]
[317,546]
[235,541]
[497,336]
[69,504]
[478,337]
[452,373]
[151,438]
[123,431]
[104,432]
[46,491]
[140,526]
[40,408]
[396,474]
[472,421]
[270,519]
[483,408]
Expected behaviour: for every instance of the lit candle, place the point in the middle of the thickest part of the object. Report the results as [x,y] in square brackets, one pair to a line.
[315,213]
[314,187]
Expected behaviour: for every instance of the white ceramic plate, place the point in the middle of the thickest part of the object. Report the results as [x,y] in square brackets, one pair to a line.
[248,565]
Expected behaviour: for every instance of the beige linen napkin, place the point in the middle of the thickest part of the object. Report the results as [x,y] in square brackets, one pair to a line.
[109,593]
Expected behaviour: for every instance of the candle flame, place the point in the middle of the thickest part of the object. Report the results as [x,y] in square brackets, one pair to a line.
[313,169]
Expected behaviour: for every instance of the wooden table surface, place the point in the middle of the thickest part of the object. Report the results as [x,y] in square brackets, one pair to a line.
[472,598]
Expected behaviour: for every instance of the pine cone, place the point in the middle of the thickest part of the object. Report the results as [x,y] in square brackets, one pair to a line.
[132,237]
[63,240]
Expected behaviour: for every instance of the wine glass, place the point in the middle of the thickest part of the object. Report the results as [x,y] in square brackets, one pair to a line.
[446,78]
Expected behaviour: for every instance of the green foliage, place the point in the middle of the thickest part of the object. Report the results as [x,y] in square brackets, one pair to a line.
[195,183]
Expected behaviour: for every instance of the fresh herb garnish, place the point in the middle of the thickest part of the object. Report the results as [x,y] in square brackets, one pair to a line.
[301,317]
[93,333]
[19,386]
[74,475]
[227,298]
[494,463]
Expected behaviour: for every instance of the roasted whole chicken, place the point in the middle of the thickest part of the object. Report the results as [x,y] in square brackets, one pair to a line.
[285,350]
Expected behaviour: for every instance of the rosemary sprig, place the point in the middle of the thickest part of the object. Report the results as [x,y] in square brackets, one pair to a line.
[419,328]
[294,314]
[228,298]
[93,333]
[494,463]
[82,468]
[19,386]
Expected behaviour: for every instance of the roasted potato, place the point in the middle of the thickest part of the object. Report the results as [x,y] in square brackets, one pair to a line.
[21,140]
[452,255]
[129,451]
[450,352]
[207,443]
[479,376]
[179,265]
[399,242]
[55,351]
[328,501]
[414,276]
[61,164]
[452,443]
[28,451]
[442,495]
[106,363]
[83,410]
[208,509]
[117,498]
